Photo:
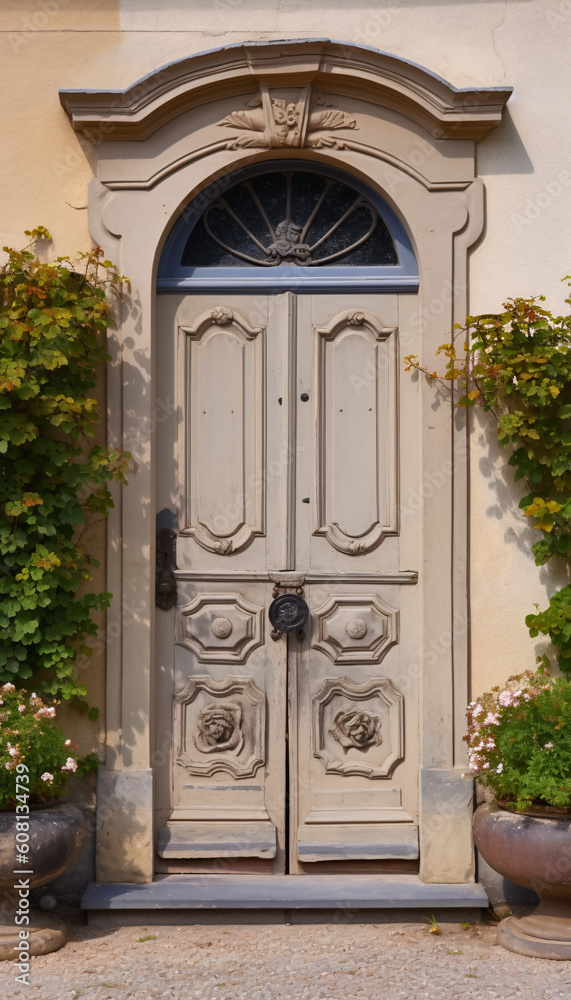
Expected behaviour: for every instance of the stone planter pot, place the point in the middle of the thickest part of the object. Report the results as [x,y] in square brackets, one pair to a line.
[533,851]
[56,834]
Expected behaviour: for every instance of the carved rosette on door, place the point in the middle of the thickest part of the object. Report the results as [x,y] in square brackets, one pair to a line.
[220,726]
[358,728]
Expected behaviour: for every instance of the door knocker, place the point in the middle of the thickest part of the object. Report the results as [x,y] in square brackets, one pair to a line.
[287,613]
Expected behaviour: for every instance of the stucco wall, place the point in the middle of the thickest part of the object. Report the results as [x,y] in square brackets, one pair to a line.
[45,168]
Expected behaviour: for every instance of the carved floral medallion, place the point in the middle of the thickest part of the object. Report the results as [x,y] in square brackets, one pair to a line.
[220,726]
[218,729]
[302,118]
[357,729]
[366,720]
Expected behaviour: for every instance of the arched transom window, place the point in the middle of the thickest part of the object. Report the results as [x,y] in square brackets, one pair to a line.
[288,225]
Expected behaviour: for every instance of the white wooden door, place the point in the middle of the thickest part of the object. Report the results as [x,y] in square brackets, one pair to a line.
[279,465]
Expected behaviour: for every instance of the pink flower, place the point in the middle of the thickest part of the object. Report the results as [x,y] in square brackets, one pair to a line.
[45,713]
[477,710]
[13,751]
[46,776]
[70,765]
[548,746]
[21,708]
[506,699]
[34,700]
[499,768]
[8,687]
[67,743]
[492,719]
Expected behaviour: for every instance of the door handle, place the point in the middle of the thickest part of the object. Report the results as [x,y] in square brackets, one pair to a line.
[165,580]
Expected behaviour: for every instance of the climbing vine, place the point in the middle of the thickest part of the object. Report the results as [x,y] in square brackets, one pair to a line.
[53,479]
[517,364]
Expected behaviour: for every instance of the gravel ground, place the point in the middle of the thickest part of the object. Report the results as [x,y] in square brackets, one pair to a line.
[279,962]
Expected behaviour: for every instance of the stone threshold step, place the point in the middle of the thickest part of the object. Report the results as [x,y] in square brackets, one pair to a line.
[235,892]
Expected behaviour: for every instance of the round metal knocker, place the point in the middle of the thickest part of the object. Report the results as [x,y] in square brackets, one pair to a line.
[288,613]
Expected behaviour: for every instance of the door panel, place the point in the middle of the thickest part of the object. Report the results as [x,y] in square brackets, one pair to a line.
[224,430]
[358,797]
[280,468]
[229,728]
[348,457]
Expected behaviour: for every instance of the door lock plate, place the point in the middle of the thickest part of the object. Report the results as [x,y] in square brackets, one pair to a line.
[165,580]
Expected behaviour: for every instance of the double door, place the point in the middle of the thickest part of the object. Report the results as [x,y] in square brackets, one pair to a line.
[285,441]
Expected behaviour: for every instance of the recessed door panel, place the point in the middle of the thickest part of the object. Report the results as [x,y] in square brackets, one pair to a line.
[224,410]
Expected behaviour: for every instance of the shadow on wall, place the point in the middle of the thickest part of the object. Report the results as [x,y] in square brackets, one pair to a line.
[502,151]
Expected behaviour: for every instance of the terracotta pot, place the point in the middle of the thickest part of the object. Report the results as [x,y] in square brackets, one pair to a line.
[535,852]
[55,838]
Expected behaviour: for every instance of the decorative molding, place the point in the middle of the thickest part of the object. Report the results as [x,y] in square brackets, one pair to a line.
[357,318]
[221,316]
[275,122]
[371,737]
[220,628]
[405,578]
[358,72]
[355,628]
[372,804]
[213,733]
[378,449]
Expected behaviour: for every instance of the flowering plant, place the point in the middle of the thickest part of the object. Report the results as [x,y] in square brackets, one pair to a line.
[28,736]
[519,741]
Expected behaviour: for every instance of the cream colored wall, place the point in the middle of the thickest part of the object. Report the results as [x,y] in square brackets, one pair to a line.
[44,170]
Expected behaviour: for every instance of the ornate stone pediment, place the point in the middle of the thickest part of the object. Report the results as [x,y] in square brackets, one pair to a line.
[276,119]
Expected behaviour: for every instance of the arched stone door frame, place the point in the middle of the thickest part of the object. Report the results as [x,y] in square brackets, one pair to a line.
[412,137]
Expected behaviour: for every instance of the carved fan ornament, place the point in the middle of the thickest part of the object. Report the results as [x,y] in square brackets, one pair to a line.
[335,223]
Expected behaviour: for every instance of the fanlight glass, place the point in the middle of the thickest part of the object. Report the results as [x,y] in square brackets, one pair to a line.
[290,217]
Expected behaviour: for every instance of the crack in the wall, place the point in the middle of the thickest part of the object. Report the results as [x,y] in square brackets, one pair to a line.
[494,29]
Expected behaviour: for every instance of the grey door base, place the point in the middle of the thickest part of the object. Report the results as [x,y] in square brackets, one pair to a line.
[199,898]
